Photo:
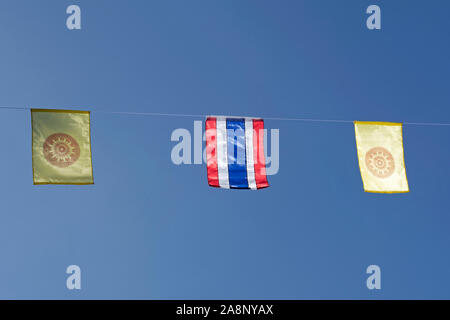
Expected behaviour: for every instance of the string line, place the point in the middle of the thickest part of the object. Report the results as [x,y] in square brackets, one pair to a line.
[158,114]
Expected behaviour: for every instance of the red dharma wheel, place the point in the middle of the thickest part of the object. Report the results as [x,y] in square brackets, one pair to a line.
[61,150]
[380,162]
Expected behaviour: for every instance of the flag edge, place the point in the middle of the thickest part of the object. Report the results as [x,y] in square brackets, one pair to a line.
[59,111]
[380,123]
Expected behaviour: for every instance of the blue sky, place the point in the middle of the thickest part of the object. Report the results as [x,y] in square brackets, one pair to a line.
[149,229]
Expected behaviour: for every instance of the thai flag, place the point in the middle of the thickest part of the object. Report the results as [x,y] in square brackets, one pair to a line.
[235,153]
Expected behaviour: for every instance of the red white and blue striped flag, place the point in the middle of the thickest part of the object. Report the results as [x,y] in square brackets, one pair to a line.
[235,153]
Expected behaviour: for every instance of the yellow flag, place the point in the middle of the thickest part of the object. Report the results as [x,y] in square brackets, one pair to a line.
[380,156]
[61,147]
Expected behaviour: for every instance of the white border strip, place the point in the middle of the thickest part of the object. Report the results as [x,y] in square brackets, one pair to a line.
[222,152]
[249,154]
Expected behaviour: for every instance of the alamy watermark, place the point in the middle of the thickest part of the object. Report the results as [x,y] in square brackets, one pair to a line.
[73,22]
[73,281]
[373,22]
[374,280]
[189,148]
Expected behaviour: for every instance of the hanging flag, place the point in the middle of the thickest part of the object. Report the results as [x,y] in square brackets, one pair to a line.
[235,153]
[380,156]
[61,147]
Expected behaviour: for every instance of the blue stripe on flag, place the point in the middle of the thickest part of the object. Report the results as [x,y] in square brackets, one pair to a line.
[237,168]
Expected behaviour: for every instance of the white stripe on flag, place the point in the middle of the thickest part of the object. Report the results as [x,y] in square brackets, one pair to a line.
[222,152]
[249,154]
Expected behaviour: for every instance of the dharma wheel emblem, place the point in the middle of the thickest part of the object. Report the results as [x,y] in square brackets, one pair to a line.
[380,162]
[61,150]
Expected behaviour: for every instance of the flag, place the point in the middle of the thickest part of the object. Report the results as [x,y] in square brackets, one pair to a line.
[381,156]
[235,153]
[61,147]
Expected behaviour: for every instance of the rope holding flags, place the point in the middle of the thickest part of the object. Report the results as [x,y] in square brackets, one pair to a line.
[61,149]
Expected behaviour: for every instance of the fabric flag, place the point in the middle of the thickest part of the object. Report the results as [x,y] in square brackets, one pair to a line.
[61,147]
[381,156]
[235,153]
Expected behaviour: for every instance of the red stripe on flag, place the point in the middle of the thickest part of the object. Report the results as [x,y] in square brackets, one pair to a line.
[258,154]
[211,151]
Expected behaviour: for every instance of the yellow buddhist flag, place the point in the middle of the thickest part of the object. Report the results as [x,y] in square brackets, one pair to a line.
[380,156]
[61,147]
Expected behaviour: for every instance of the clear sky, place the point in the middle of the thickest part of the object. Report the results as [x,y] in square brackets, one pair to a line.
[149,229]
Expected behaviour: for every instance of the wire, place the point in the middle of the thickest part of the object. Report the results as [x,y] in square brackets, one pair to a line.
[154,114]
[14,108]
[157,114]
[426,124]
